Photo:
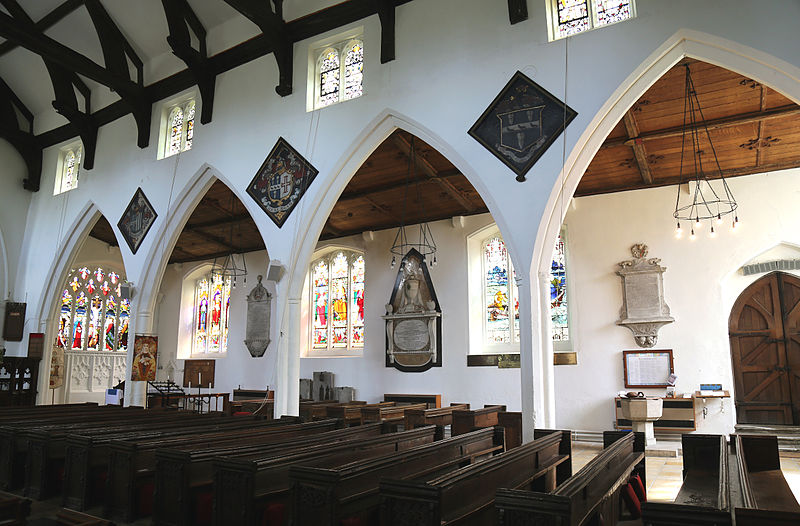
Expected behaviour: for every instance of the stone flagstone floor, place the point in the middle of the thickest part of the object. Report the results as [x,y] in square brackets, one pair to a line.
[664,473]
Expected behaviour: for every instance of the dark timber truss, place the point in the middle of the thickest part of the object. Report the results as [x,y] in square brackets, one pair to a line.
[66,66]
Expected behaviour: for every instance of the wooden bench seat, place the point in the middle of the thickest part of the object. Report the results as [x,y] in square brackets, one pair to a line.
[325,496]
[14,509]
[433,401]
[314,410]
[439,417]
[466,496]
[131,467]
[247,490]
[589,494]
[350,414]
[466,420]
[394,414]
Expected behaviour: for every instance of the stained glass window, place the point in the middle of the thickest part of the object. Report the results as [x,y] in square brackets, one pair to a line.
[212,308]
[558,293]
[339,73]
[70,167]
[337,301]
[89,321]
[179,132]
[575,16]
[354,71]
[500,294]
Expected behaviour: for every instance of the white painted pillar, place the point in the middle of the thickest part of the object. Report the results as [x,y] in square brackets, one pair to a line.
[526,360]
[287,392]
[547,394]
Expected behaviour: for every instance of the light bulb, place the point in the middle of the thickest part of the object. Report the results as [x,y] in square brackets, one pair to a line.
[393,263]
[697,224]
[678,231]
[692,236]
[735,224]
[719,219]
[712,233]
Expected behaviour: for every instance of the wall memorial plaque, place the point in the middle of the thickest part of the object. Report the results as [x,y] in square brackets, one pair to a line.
[281,181]
[14,322]
[137,220]
[521,123]
[258,314]
[36,345]
[198,373]
[413,319]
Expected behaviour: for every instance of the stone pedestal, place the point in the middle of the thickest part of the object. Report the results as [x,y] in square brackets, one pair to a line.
[642,412]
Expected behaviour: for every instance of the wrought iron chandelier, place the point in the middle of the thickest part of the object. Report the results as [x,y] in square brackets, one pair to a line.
[424,242]
[710,200]
[230,266]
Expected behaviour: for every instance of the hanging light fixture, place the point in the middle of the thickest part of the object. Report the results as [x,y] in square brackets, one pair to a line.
[424,242]
[711,200]
[230,266]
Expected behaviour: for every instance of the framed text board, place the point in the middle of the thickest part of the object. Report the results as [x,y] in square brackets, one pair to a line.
[647,368]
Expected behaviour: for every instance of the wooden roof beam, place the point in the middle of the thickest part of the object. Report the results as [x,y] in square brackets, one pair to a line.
[713,124]
[427,168]
[181,18]
[47,21]
[386,9]
[638,147]
[213,238]
[23,141]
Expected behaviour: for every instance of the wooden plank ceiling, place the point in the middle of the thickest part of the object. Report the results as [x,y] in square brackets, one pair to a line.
[754,130]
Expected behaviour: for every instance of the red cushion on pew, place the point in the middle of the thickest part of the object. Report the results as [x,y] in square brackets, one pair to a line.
[632,501]
[204,507]
[242,413]
[146,498]
[351,521]
[638,487]
[273,514]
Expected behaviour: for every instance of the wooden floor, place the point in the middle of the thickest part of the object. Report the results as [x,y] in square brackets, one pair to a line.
[664,474]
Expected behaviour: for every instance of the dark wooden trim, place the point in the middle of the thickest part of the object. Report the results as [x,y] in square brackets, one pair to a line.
[638,146]
[47,21]
[386,12]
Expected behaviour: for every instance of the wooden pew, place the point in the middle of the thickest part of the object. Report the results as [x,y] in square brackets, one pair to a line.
[466,496]
[767,500]
[591,493]
[432,400]
[67,517]
[393,414]
[14,509]
[327,495]
[468,420]
[248,490]
[439,417]
[311,410]
[704,494]
[87,457]
[184,477]
[351,413]
[131,468]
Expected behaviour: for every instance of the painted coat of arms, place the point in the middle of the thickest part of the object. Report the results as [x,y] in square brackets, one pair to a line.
[137,220]
[521,123]
[281,181]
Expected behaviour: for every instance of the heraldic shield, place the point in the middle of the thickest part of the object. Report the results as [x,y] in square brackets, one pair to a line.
[521,129]
[281,181]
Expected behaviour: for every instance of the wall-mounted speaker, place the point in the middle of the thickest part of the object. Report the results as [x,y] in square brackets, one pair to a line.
[275,271]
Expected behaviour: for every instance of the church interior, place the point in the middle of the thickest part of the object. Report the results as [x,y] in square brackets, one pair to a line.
[391,262]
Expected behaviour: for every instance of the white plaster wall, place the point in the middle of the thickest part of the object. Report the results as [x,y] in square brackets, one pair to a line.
[453,56]
[454,380]
[701,283]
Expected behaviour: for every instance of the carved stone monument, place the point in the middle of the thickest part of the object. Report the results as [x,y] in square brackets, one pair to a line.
[413,319]
[644,310]
[306,388]
[322,386]
[258,314]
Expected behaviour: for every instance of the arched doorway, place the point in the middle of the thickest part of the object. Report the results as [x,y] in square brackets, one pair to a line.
[764,329]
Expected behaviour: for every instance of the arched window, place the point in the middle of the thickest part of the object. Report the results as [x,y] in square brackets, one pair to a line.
[70,164]
[337,301]
[339,73]
[93,316]
[559,308]
[500,294]
[179,128]
[211,314]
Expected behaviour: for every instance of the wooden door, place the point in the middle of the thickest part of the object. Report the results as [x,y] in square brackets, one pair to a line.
[790,301]
[758,352]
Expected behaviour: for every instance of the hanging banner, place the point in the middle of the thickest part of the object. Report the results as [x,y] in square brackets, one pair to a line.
[56,367]
[145,352]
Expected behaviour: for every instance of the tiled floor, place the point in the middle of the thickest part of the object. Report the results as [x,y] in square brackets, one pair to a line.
[664,474]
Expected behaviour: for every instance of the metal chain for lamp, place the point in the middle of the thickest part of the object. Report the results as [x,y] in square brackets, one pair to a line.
[227,266]
[425,243]
[707,203]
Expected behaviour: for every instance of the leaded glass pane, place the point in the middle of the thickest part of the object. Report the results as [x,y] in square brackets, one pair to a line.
[354,71]
[79,324]
[338,292]
[610,11]
[515,300]
[329,77]
[95,322]
[64,319]
[201,316]
[68,176]
[215,327]
[189,126]
[496,291]
[319,279]
[558,293]
[573,17]
[111,318]
[357,304]
[124,317]
[176,131]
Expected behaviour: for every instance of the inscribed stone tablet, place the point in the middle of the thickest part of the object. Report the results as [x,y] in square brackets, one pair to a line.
[411,335]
